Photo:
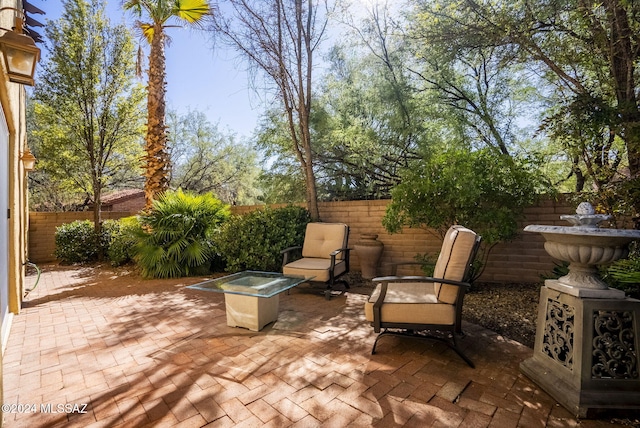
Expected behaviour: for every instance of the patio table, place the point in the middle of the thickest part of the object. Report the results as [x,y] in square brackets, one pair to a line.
[251,297]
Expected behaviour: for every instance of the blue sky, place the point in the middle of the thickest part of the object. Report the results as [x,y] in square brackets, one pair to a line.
[198,78]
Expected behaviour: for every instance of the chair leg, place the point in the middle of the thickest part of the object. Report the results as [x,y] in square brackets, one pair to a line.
[328,292]
[450,343]
[384,333]
[454,346]
[342,281]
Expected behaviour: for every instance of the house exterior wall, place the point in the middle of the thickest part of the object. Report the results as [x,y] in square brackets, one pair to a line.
[522,260]
[124,200]
[13,102]
[131,205]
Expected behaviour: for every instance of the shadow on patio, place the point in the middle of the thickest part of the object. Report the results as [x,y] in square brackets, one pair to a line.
[155,353]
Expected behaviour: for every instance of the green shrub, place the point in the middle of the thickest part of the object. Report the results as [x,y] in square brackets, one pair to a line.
[482,191]
[427,263]
[76,242]
[122,238]
[475,188]
[254,241]
[559,269]
[624,274]
[174,239]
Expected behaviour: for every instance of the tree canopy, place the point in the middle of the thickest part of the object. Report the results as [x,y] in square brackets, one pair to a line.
[546,88]
[86,115]
[207,160]
[583,55]
[280,39]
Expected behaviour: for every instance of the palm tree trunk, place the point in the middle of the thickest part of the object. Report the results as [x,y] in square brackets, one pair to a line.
[157,157]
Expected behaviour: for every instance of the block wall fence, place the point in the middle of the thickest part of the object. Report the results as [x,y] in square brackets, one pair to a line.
[521,260]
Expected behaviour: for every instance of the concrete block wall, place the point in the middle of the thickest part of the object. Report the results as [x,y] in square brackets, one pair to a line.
[366,217]
[521,260]
[42,229]
[524,259]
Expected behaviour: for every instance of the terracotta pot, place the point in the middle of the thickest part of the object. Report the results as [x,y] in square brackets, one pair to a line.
[369,251]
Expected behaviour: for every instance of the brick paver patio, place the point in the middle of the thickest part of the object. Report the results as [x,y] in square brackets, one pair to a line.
[153,353]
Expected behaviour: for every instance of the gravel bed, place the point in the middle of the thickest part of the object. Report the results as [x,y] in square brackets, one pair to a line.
[508,309]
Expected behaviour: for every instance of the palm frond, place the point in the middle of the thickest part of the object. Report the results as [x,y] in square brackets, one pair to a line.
[192,11]
[147,31]
[176,237]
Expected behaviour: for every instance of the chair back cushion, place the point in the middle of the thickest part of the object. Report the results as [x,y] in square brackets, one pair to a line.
[321,239]
[456,255]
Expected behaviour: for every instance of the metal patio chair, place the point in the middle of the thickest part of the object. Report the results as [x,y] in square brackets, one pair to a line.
[427,307]
[325,255]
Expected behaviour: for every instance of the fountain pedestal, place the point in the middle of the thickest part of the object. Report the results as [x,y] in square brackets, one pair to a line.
[586,351]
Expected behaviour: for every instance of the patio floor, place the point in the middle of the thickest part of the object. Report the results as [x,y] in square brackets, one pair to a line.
[155,353]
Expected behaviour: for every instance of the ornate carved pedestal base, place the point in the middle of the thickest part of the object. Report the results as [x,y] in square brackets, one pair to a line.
[586,353]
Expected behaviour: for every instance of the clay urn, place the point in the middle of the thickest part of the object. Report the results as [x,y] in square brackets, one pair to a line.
[369,251]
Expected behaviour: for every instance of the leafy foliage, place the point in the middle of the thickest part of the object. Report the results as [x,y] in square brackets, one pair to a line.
[206,159]
[624,274]
[283,181]
[572,51]
[86,117]
[367,122]
[175,239]
[254,241]
[280,39]
[427,263]
[76,242]
[477,189]
[122,239]
[559,269]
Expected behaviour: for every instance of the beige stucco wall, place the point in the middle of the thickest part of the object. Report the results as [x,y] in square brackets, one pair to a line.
[524,259]
[12,99]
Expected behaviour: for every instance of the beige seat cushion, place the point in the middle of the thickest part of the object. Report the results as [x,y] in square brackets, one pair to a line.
[320,240]
[411,302]
[318,268]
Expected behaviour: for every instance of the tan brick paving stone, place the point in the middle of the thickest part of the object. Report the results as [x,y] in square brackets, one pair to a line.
[153,353]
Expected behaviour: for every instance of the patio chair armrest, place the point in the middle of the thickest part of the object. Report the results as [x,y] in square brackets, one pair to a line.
[377,308]
[287,252]
[340,250]
[333,255]
[387,279]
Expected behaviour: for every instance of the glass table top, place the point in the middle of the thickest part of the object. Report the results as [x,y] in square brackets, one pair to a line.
[251,283]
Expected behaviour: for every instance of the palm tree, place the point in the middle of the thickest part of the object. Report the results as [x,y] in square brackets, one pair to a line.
[157,14]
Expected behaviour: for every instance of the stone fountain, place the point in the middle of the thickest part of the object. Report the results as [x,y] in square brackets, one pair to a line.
[586,348]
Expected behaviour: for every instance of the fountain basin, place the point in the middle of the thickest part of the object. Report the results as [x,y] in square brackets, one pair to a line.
[584,248]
